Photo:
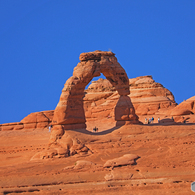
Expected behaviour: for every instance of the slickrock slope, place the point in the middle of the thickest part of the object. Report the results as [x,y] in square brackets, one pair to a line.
[132,159]
[185,111]
[185,108]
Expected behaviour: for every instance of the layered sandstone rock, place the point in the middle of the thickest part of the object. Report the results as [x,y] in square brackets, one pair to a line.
[11,126]
[33,120]
[37,119]
[147,97]
[150,97]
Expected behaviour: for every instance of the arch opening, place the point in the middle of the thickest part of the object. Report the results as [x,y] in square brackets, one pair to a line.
[94,79]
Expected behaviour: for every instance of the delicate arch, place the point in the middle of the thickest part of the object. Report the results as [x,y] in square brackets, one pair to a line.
[70,112]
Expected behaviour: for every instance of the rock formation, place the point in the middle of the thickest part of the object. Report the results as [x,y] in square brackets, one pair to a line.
[147,97]
[184,112]
[37,119]
[70,112]
[150,97]
[62,144]
[185,108]
[127,159]
[33,120]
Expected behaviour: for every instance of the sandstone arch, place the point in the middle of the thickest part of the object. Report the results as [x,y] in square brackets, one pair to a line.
[69,112]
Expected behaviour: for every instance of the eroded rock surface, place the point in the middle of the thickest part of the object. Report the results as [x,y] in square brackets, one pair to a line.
[185,108]
[147,98]
[35,120]
[166,164]
[127,159]
[62,145]
[70,111]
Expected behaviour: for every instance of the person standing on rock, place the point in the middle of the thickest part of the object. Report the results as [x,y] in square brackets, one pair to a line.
[95,129]
[50,126]
[146,120]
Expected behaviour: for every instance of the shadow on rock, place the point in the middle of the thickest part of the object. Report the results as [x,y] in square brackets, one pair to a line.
[85,131]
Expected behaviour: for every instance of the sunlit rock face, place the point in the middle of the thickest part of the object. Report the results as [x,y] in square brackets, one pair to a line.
[70,110]
[147,96]
[186,107]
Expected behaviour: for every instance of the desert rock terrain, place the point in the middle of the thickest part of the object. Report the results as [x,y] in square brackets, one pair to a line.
[126,155]
[131,159]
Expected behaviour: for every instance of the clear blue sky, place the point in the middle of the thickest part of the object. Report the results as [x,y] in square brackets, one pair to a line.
[41,40]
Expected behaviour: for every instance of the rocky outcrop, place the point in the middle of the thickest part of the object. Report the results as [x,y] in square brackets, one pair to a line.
[32,121]
[62,144]
[147,97]
[37,119]
[150,97]
[83,164]
[185,108]
[70,111]
[11,126]
[127,159]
